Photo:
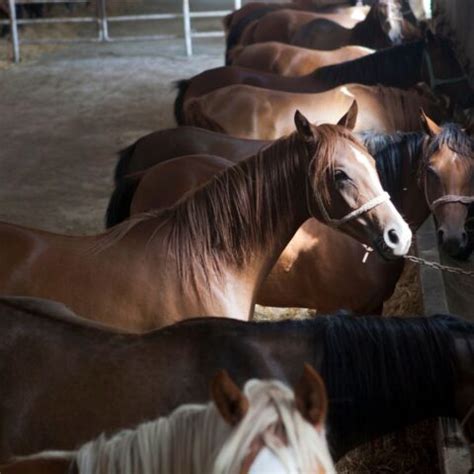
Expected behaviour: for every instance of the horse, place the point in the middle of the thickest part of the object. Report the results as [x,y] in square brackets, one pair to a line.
[64,381]
[266,427]
[286,60]
[237,21]
[251,112]
[384,26]
[210,252]
[429,171]
[431,60]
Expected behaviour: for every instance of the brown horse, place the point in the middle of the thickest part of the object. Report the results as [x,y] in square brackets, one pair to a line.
[210,252]
[236,22]
[65,381]
[416,168]
[250,112]
[432,61]
[266,427]
[286,60]
[384,26]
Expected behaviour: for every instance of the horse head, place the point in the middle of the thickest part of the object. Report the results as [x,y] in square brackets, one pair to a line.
[344,189]
[273,428]
[447,177]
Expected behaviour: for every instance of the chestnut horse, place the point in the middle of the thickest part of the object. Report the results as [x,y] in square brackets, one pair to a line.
[417,169]
[431,60]
[210,252]
[64,381]
[250,112]
[266,427]
[286,60]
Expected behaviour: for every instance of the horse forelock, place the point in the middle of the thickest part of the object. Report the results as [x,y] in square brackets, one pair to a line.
[272,408]
[456,140]
[322,162]
[195,437]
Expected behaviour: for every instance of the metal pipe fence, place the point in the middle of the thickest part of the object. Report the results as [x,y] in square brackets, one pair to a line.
[102,20]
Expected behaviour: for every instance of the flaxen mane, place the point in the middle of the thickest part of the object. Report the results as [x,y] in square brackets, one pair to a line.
[195,438]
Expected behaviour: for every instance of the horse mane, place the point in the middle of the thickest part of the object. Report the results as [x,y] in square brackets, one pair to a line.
[197,435]
[385,357]
[388,357]
[372,68]
[240,209]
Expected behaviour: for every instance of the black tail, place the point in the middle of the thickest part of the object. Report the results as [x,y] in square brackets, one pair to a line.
[122,168]
[182,87]
[119,205]
[236,31]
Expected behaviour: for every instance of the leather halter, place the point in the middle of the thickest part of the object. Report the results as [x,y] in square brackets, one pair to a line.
[434,81]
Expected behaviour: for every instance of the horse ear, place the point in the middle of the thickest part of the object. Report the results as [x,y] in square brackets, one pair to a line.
[304,128]
[429,125]
[311,398]
[231,403]
[350,118]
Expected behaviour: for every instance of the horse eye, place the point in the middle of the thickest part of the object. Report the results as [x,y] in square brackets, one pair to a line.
[340,175]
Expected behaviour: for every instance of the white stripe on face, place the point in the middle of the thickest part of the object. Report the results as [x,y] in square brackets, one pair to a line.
[371,171]
[267,462]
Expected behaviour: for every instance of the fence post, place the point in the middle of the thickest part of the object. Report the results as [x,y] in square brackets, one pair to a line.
[187,28]
[103,24]
[14,31]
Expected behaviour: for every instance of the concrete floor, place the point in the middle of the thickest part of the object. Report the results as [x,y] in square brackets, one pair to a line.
[64,116]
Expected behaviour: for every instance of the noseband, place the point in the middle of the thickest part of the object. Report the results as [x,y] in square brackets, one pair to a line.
[447,199]
[434,81]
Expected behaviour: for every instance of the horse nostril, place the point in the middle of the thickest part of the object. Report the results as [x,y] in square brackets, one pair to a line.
[464,238]
[393,236]
[440,236]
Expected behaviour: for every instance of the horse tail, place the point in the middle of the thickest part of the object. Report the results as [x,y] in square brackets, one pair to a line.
[118,208]
[234,53]
[182,86]
[197,117]
[121,168]
[236,31]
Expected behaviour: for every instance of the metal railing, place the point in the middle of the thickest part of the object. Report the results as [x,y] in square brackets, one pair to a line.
[102,20]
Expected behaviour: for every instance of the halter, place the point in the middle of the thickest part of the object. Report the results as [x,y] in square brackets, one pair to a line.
[328,220]
[434,81]
[447,199]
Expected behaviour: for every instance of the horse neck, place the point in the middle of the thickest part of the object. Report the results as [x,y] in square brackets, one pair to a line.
[393,374]
[398,66]
[240,221]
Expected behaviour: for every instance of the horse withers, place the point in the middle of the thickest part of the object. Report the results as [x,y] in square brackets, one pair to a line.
[266,427]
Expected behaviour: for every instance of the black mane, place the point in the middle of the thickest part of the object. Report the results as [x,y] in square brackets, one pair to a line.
[390,151]
[393,361]
[398,66]
[455,138]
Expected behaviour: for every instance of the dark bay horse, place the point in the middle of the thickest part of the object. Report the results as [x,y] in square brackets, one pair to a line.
[432,60]
[265,427]
[250,112]
[286,60]
[64,381]
[417,169]
[210,252]
[384,26]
